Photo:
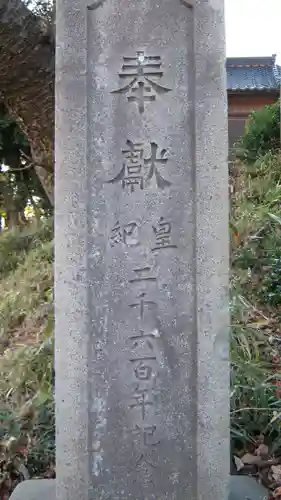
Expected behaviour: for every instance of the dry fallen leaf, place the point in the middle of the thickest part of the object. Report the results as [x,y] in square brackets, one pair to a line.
[259,323]
[277,493]
[236,237]
[249,459]
[238,463]
[276,472]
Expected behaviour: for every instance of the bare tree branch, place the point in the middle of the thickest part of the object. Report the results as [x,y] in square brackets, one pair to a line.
[27,68]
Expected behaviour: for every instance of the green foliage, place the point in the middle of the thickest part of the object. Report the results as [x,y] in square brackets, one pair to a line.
[256,300]
[19,183]
[15,244]
[28,378]
[11,137]
[262,133]
[255,407]
[27,431]
[270,288]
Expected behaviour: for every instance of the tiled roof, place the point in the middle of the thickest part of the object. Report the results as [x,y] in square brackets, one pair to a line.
[253,73]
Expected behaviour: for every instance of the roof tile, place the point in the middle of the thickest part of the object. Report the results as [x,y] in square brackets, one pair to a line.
[252,73]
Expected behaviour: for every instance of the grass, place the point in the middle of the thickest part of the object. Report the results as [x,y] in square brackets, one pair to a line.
[26,290]
[255,406]
[15,245]
[26,343]
[256,302]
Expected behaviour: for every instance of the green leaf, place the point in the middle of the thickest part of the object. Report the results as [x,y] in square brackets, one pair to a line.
[275,218]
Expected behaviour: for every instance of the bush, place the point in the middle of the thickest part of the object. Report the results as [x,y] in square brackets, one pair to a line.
[27,430]
[256,296]
[262,133]
[26,389]
[14,244]
[255,405]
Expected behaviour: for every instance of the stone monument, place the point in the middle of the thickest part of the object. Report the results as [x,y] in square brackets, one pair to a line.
[141,269]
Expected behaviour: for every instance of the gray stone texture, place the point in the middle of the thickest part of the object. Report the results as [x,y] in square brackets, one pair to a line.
[247,488]
[35,489]
[240,488]
[141,236]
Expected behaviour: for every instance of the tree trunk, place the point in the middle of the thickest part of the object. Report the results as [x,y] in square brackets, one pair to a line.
[27,68]
[12,219]
[47,182]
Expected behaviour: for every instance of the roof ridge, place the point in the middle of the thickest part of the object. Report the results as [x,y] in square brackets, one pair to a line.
[251,61]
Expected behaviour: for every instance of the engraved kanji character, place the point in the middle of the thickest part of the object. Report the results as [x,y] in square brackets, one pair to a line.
[141,71]
[145,459]
[143,371]
[134,166]
[127,234]
[141,400]
[132,172]
[152,162]
[142,304]
[147,337]
[142,275]
[147,434]
[162,231]
[147,484]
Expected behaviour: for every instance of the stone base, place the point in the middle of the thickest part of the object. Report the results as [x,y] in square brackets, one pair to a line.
[35,489]
[246,488]
[241,488]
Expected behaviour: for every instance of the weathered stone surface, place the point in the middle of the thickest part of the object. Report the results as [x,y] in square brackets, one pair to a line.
[141,251]
[37,489]
[246,488]
[240,488]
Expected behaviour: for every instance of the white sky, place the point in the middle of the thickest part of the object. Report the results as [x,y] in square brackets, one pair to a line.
[253,28]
